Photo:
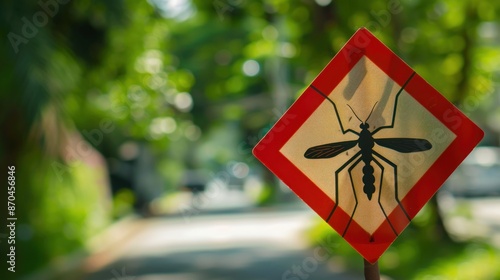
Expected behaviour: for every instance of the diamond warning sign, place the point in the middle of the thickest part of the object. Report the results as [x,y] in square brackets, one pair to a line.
[370,142]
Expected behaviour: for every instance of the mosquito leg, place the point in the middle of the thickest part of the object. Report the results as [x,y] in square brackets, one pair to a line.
[337,183]
[395,106]
[380,195]
[335,109]
[354,192]
[396,191]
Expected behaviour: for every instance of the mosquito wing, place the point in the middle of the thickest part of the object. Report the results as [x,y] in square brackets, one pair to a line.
[329,150]
[405,145]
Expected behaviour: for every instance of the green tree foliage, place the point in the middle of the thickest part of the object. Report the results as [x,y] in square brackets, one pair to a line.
[97,68]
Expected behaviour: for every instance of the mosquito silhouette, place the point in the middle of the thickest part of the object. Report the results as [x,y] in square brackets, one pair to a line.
[367,155]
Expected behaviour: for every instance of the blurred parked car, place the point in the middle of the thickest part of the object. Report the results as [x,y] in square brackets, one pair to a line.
[195,181]
[470,199]
[478,175]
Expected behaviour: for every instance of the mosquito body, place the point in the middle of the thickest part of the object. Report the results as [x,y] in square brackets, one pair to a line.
[367,155]
[366,143]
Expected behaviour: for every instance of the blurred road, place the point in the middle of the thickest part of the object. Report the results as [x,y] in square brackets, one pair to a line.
[246,246]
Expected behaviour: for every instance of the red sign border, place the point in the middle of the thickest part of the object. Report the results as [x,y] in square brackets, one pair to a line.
[363,43]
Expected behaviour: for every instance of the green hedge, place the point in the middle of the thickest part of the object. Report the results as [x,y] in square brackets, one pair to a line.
[59,207]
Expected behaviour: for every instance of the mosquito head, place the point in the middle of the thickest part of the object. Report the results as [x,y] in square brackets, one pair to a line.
[363,126]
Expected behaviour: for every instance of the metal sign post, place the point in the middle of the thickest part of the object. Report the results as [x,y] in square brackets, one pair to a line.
[371,271]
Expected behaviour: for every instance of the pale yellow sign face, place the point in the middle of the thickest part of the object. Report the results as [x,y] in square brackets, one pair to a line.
[365,86]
